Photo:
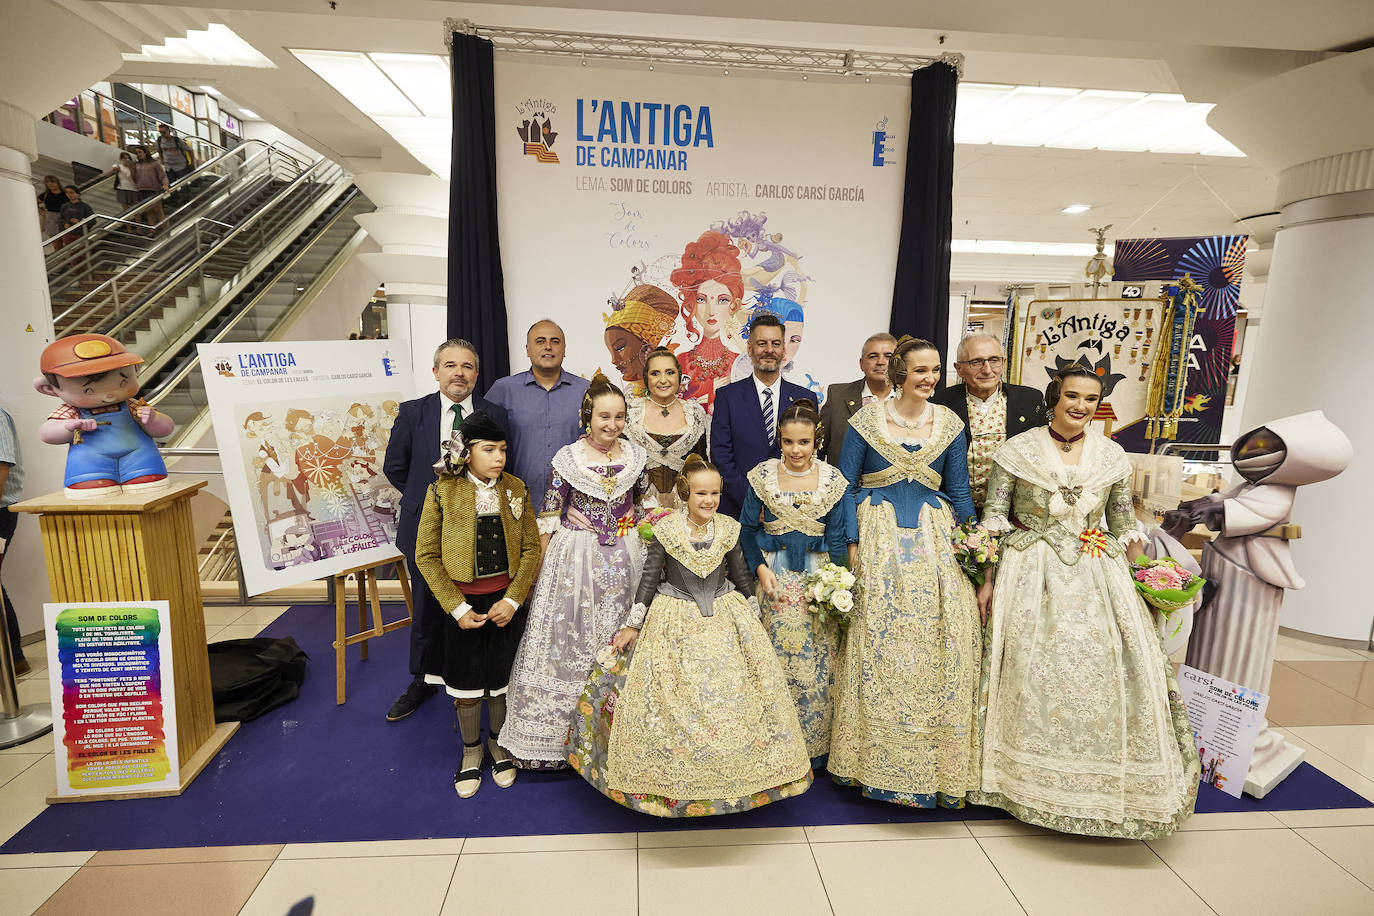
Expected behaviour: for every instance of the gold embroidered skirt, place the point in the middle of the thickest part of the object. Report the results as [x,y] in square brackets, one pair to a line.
[705,712]
[808,649]
[1084,728]
[907,681]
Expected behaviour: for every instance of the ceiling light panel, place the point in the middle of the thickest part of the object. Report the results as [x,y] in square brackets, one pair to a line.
[424,78]
[360,81]
[1032,116]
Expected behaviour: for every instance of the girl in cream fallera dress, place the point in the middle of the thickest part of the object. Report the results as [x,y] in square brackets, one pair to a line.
[699,720]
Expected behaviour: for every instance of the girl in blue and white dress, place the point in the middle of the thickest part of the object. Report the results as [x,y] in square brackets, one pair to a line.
[793,523]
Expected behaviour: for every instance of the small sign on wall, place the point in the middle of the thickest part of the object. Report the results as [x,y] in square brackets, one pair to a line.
[114,709]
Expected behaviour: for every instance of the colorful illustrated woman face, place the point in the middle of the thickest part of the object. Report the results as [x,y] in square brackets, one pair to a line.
[714,305]
[627,353]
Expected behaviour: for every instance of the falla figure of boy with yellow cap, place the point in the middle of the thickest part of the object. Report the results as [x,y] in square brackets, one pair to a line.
[109,428]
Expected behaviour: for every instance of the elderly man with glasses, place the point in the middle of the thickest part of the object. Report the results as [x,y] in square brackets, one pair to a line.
[992,410]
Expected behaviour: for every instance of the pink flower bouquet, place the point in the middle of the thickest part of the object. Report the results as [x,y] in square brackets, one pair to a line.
[1165,584]
[975,547]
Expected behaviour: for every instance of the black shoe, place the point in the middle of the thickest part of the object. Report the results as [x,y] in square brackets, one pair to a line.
[410,701]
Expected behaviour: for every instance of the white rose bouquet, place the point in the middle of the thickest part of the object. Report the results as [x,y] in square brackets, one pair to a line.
[830,593]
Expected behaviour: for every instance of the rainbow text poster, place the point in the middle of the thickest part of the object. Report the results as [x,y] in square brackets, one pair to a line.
[114,707]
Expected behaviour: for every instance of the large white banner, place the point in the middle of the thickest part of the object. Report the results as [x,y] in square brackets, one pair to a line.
[640,208]
[302,429]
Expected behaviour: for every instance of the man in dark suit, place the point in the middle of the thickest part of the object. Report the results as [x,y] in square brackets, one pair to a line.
[744,425]
[844,399]
[422,429]
[992,410]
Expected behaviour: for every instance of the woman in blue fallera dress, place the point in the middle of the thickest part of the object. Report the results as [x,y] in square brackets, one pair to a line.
[906,687]
[793,523]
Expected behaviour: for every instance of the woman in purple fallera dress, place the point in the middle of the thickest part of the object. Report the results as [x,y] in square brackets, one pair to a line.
[592,559]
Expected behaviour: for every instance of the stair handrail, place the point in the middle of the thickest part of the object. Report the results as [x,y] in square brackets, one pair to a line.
[158,247]
[165,387]
[303,178]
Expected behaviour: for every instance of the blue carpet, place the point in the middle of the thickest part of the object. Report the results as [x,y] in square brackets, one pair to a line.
[315,772]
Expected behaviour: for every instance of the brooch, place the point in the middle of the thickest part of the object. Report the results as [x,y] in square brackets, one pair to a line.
[517,507]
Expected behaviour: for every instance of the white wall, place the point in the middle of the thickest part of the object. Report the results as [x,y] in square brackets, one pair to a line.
[69,146]
[1313,355]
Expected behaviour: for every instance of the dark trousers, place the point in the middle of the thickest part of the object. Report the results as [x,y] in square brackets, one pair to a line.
[8,522]
[423,615]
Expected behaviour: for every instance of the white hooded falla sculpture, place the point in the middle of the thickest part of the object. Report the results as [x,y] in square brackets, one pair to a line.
[1248,566]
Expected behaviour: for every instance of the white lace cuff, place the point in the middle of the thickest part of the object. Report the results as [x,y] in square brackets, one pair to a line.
[636,616]
[514,605]
[1134,537]
[998,524]
[753,603]
[460,610]
[548,524]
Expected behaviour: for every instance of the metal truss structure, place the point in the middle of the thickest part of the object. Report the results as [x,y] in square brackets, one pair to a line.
[720,55]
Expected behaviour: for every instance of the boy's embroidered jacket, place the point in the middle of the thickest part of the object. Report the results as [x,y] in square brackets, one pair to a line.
[445,548]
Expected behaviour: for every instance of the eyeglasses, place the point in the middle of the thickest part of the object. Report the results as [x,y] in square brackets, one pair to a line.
[992,362]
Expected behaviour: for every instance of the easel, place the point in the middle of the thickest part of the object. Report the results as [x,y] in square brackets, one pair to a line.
[367,589]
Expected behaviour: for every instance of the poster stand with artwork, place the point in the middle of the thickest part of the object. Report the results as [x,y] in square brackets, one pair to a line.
[368,596]
[140,547]
[1116,338]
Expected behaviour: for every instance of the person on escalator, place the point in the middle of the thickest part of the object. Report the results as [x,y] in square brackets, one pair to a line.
[177,158]
[151,180]
[126,189]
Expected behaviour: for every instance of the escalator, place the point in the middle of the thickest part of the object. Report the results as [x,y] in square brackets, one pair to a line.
[161,299]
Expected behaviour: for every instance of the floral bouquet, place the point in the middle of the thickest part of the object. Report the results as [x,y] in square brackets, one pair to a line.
[830,593]
[975,548]
[1165,584]
[646,527]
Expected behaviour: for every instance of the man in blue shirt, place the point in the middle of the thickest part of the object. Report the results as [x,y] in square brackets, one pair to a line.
[542,405]
[11,482]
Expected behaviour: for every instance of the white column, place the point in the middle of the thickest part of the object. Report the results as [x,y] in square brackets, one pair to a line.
[411,225]
[25,329]
[1313,127]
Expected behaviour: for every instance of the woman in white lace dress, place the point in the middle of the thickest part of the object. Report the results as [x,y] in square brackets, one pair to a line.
[1084,729]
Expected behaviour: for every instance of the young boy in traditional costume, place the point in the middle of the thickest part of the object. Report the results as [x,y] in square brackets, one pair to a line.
[478,548]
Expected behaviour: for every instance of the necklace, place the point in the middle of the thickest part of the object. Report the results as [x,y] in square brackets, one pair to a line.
[791,473]
[663,408]
[1066,445]
[898,420]
[605,451]
[697,532]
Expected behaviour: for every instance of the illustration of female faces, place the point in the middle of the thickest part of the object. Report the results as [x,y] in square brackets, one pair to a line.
[637,324]
[711,291]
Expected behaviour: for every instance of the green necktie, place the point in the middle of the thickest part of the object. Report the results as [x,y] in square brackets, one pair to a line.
[457,416]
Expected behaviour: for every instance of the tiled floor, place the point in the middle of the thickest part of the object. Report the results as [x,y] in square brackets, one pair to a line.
[1248,863]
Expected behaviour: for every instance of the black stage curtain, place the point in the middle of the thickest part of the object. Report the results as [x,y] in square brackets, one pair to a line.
[920,295]
[476,287]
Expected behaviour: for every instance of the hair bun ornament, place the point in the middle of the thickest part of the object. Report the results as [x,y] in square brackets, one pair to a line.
[455,457]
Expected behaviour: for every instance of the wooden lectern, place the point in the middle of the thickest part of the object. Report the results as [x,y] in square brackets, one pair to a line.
[140,547]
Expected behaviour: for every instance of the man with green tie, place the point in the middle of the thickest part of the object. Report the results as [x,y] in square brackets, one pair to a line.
[422,430]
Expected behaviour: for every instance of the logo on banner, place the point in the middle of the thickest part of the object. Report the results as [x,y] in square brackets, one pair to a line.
[536,130]
[388,367]
[883,147]
[225,368]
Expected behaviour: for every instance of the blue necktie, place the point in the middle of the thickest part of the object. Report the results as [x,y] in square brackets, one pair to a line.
[769,422]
